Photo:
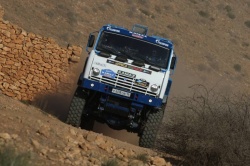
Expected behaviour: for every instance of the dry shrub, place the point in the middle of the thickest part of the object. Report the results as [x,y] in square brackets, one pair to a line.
[111,162]
[208,128]
[247,23]
[204,14]
[9,157]
[142,157]
[237,67]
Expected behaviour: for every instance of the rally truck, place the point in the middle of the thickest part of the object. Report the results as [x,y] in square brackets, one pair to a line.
[125,81]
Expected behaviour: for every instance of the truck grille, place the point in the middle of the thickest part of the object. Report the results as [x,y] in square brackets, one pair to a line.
[123,82]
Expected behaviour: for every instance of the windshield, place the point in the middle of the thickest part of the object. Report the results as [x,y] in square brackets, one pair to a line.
[134,49]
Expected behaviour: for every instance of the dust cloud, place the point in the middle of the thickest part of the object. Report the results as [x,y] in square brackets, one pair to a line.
[58,104]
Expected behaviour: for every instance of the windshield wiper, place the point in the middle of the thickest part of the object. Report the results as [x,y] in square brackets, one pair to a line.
[152,66]
[125,54]
[121,58]
[148,62]
[136,60]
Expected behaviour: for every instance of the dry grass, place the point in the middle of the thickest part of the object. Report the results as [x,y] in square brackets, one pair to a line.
[237,67]
[9,157]
[209,129]
[204,14]
[142,157]
[246,56]
[111,162]
[247,23]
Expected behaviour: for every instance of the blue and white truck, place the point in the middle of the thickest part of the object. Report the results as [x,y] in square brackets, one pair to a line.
[125,81]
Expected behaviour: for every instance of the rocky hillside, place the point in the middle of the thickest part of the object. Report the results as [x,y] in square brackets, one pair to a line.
[30,64]
[48,141]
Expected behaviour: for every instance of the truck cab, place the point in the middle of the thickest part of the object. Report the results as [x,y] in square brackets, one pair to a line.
[125,81]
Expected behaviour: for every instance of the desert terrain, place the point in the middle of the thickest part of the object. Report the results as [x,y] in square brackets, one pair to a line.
[212,42]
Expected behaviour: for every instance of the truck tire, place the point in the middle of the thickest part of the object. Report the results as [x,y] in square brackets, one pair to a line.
[150,129]
[76,108]
[87,122]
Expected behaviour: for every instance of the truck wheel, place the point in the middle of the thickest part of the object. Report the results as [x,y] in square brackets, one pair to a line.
[87,122]
[150,129]
[76,108]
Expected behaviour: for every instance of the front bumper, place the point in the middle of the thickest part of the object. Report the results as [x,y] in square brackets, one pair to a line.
[134,96]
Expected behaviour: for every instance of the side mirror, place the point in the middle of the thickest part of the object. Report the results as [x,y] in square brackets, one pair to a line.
[91,40]
[173,63]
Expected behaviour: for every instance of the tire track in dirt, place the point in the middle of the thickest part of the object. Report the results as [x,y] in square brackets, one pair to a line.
[122,135]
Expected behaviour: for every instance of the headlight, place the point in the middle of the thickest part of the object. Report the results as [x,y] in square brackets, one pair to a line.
[96,71]
[154,87]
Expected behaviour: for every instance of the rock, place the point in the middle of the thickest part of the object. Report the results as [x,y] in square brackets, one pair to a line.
[91,136]
[47,65]
[12,87]
[72,132]
[8,40]
[107,146]
[24,33]
[53,154]
[2,60]
[67,162]
[18,30]
[35,143]
[10,94]
[44,131]
[36,56]
[5,136]
[159,161]
[19,46]
[7,49]
[44,151]
[100,140]
[74,59]
[14,136]
[118,153]
[56,61]
[86,146]
[124,152]
[94,161]
[32,35]
[10,46]
[6,85]
[6,33]
[74,151]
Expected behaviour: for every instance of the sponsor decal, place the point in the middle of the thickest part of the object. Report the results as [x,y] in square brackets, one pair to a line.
[108,73]
[135,68]
[100,64]
[126,74]
[121,64]
[110,61]
[113,30]
[141,82]
[129,66]
[161,43]
[137,35]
